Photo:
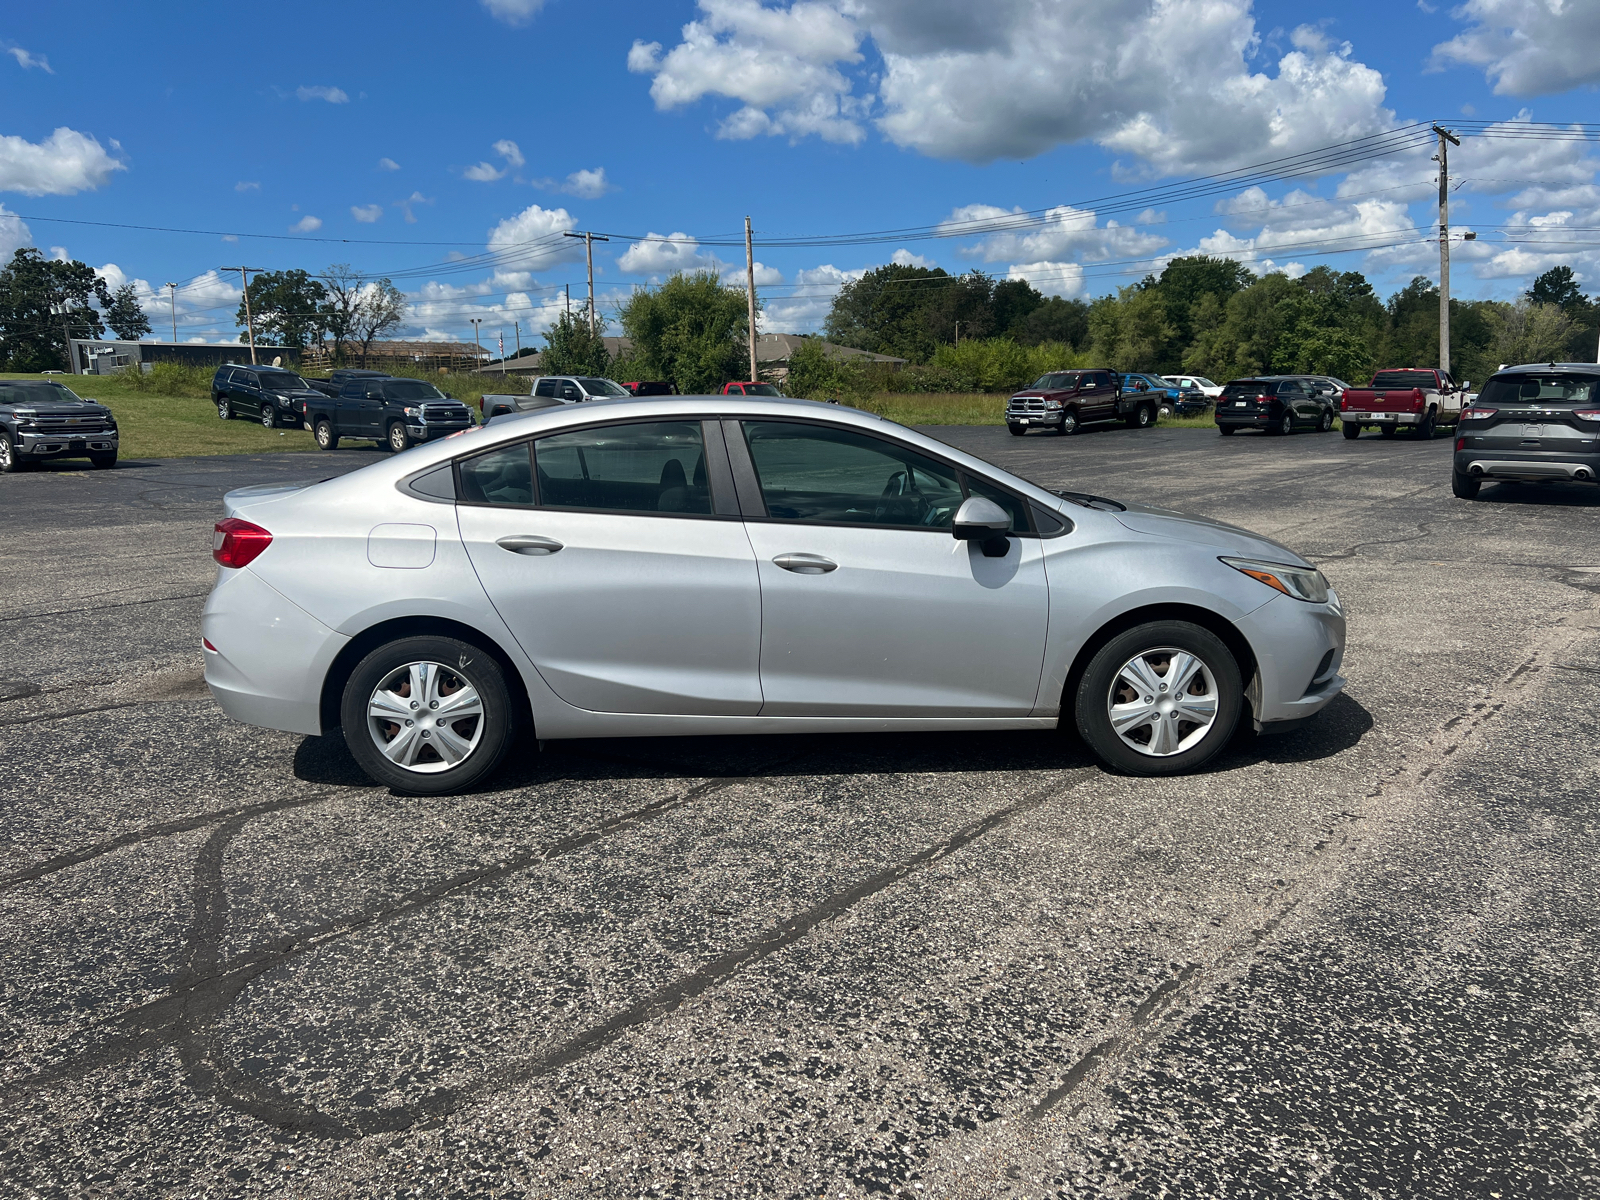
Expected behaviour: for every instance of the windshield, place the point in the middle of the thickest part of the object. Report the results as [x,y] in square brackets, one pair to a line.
[603,387]
[36,391]
[412,389]
[283,381]
[761,389]
[1058,381]
[1404,379]
[1554,388]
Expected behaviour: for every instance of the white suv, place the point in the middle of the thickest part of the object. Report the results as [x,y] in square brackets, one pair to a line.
[1212,390]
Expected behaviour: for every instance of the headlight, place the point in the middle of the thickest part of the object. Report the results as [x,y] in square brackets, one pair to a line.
[1052,404]
[413,412]
[1300,582]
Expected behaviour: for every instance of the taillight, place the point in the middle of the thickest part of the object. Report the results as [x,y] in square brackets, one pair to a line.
[1461,443]
[1483,414]
[238,543]
[1588,414]
[1416,400]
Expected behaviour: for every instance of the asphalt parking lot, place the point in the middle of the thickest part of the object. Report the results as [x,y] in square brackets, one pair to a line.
[1355,960]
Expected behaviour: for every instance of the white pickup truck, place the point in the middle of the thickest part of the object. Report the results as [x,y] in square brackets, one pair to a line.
[1416,399]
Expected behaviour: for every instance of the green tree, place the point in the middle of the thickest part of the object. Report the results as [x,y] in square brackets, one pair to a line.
[1412,337]
[381,309]
[1014,301]
[287,308]
[43,302]
[1054,320]
[1183,285]
[1526,332]
[814,374]
[1558,286]
[570,350]
[691,330]
[883,311]
[342,287]
[126,315]
[1130,331]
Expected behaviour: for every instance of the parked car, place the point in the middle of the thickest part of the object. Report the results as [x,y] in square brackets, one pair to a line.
[1066,400]
[650,387]
[1165,394]
[41,419]
[739,564]
[1192,401]
[1195,383]
[578,389]
[1419,400]
[392,412]
[743,388]
[270,395]
[1530,423]
[1273,404]
[336,380]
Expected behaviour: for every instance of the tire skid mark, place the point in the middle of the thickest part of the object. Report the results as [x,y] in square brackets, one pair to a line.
[94,608]
[1102,1059]
[208,984]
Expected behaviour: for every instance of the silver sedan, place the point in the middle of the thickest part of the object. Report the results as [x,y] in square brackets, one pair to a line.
[733,564]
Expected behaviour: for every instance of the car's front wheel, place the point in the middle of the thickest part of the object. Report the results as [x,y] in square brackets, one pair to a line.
[428,715]
[1016,430]
[10,460]
[1069,423]
[103,462]
[1160,699]
[399,439]
[269,417]
[327,439]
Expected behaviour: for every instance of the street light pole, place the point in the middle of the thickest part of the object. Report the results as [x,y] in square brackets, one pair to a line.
[476,321]
[249,322]
[172,294]
[750,293]
[589,239]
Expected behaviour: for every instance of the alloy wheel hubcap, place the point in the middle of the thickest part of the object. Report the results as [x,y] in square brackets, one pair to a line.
[425,717]
[1163,702]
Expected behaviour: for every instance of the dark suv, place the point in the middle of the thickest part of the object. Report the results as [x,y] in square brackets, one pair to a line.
[392,412]
[1275,404]
[1064,400]
[1530,423]
[270,395]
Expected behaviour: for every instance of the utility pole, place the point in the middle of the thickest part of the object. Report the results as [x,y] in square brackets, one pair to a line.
[569,298]
[750,293]
[519,340]
[476,321]
[249,322]
[958,333]
[589,239]
[1445,136]
[172,294]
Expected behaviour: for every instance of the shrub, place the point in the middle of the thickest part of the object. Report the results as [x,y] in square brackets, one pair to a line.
[168,379]
[816,375]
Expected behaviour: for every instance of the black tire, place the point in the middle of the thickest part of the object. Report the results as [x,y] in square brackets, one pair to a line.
[1226,430]
[398,439]
[1016,430]
[103,462]
[1095,695]
[224,408]
[1284,427]
[325,437]
[1351,430]
[1464,486]
[269,418]
[1069,422]
[1326,424]
[1425,429]
[455,661]
[1140,418]
[10,461]
[1388,430]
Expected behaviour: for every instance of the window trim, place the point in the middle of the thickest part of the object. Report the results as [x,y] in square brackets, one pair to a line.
[754,503]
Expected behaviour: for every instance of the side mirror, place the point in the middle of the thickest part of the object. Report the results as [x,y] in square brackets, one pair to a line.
[1466,385]
[983,521]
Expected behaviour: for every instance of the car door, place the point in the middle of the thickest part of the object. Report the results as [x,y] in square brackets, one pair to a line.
[618,560]
[869,605]
[245,393]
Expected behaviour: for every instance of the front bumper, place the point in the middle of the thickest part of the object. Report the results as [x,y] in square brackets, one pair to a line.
[1531,465]
[66,444]
[425,432]
[1035,417]
[1299,649]
[1380,418]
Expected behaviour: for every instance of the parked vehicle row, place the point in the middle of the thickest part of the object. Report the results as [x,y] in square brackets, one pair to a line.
[358,404]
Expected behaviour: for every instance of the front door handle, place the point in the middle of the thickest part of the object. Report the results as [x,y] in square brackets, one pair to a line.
[529,543]
[806,564]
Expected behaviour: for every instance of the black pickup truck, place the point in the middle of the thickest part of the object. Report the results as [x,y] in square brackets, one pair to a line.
[337,379]
[396,413]
[40,419]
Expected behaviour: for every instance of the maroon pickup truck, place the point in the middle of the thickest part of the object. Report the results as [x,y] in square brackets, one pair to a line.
[1419,400]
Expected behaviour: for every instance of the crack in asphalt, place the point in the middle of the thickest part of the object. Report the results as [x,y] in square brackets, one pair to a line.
[62,612]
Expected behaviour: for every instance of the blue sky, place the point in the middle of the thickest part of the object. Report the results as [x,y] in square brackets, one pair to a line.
[450,145]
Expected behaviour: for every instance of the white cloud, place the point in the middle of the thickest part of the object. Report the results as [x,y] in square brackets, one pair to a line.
[409,203]
[14,234]
[588,185]
[514,12]
[664,254]
[28,61]
[532,239]
[733,275]
[805,310]
[1063,279]
[1528,47]
[1065,233]
[388,164]
[306,224]
[904,258]
[64,163]
[367,214]
[247,185]
[332,95]
[1014,78]
[508,150]
[483,172]
[486,172]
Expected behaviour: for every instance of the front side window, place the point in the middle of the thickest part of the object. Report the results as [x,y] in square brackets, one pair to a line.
[500,477]
[654,467]
[411,390]
[818,474]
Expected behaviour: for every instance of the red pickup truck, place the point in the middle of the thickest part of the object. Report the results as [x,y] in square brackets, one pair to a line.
[1420,400]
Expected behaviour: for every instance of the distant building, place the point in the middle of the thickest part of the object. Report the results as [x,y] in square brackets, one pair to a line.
[100,356]
[436,356]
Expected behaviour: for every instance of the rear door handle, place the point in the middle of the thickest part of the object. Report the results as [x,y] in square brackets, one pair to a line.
[806,564]
[529,543]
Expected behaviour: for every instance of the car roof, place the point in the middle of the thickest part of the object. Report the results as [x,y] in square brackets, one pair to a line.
[1586,368]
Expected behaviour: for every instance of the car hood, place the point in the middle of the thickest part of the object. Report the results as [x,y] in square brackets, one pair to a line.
[1165,523]
[89,408]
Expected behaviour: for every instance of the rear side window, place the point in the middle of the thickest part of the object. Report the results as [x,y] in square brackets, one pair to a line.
[500,477]
[1554,388]
[651,467]
[545,387]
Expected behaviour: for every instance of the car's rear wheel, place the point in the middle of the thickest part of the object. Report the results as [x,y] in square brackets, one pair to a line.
[1285,426]
[1069,423]
[398,439]
[1226,430]
[428,715]
[1326,425]
[224,408]
[1159,699]
[1141,417]
[326,438]
[1464,486]
[1351,430]
[1425,428]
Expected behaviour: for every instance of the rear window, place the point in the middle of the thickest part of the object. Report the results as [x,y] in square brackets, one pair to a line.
[1250,387]
[1404,379]
[1562,388]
